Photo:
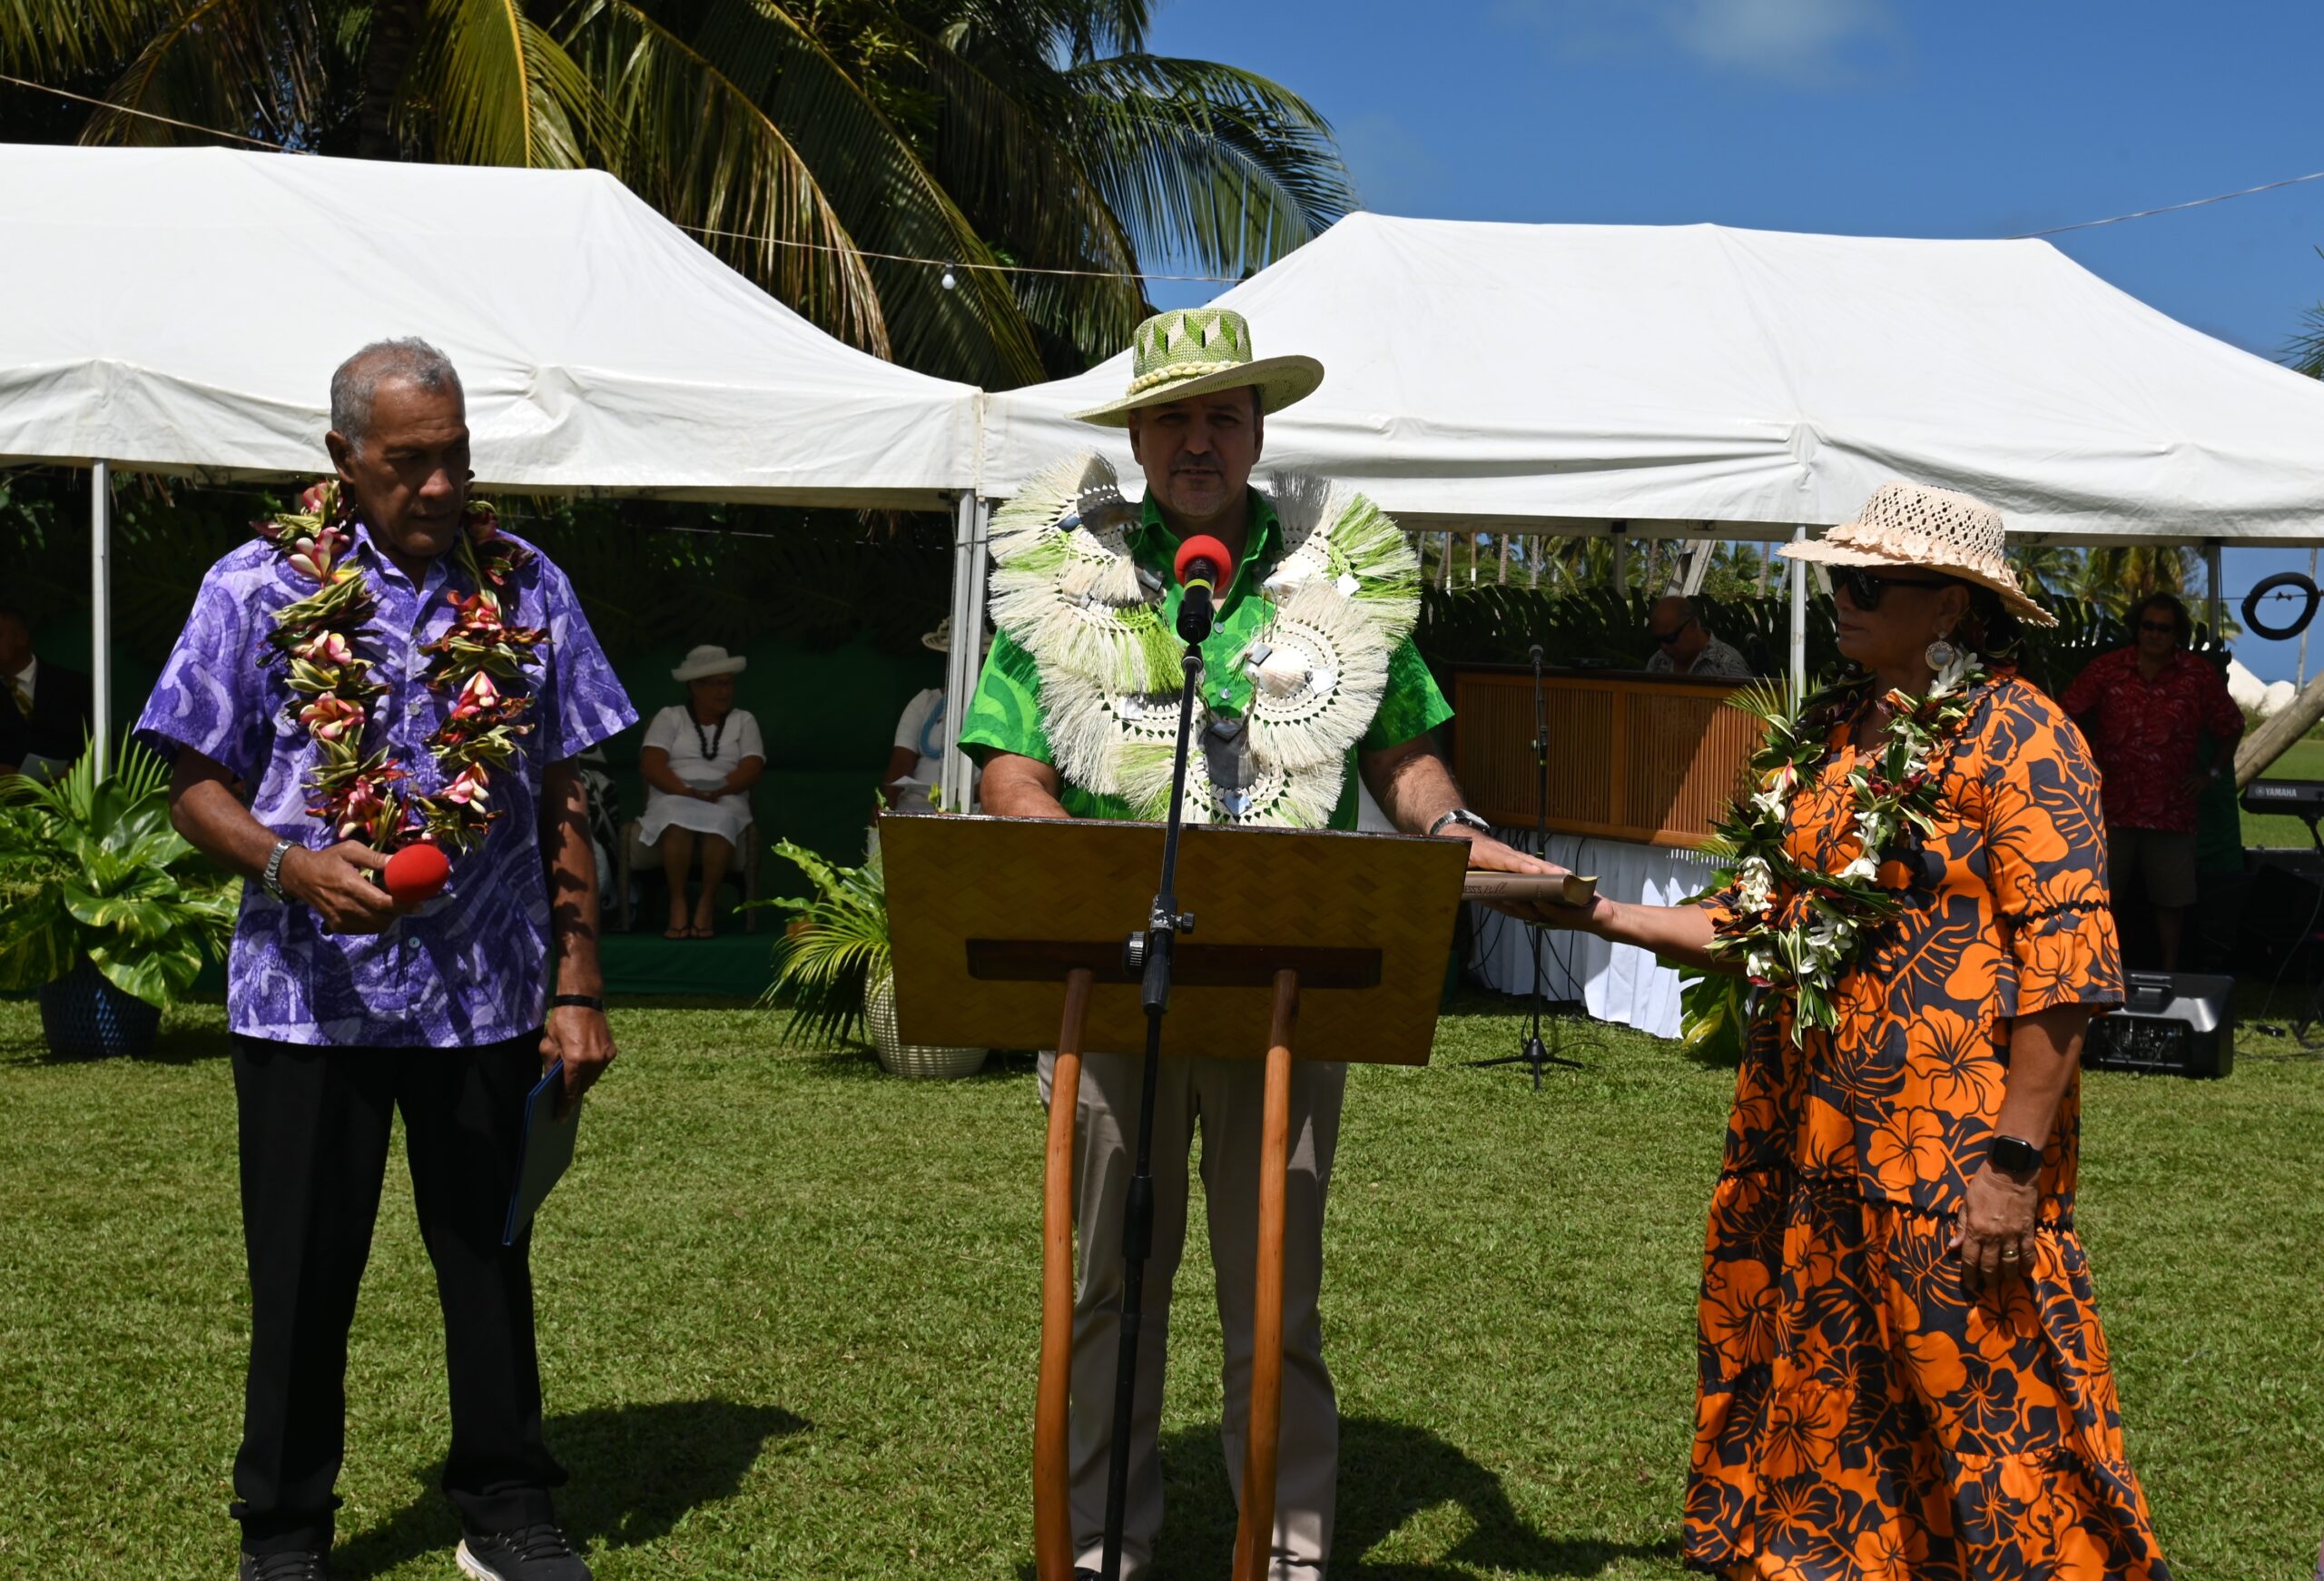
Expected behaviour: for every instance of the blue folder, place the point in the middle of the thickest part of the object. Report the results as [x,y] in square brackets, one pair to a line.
[544,1153]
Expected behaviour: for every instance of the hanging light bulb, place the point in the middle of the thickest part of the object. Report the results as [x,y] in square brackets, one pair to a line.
[948,281]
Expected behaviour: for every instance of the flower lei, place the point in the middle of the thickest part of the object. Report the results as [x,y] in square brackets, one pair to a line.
[365,795]
[1894,788]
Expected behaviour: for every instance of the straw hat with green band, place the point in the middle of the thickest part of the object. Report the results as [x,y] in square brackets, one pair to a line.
[1196,352]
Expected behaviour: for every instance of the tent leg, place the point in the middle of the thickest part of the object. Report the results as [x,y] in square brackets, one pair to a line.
[970,522]
[2217,602]
[100,615]
[1798,620]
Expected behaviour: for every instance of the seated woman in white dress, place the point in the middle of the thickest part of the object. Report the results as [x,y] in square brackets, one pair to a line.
[701,759]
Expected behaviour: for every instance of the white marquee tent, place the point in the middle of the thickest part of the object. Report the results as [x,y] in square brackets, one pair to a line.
[1696,379]
[181,311]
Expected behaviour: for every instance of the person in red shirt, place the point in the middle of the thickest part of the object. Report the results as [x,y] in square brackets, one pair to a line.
[2146,709]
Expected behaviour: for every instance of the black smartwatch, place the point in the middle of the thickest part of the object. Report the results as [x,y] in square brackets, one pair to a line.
[2014,1157]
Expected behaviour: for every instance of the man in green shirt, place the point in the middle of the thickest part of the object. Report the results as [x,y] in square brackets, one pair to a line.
[1347,590]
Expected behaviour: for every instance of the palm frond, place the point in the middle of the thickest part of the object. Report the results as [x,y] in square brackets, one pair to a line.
[501,91]
[694,142]
[57,38]
[238,65]
[888,197]
[1205,160]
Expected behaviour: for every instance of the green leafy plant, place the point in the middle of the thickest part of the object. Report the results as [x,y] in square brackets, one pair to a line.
[835,948]
[91,868]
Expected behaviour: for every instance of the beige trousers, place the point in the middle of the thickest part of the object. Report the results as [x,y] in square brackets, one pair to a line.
[1222,1099]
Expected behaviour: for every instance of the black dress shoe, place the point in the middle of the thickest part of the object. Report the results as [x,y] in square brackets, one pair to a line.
[302,1564]
[537,1553]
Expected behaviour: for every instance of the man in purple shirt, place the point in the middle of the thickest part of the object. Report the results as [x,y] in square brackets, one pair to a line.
[347,1006]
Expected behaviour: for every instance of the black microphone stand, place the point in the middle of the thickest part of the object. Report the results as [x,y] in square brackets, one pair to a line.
[1533,1051]
[1148,953]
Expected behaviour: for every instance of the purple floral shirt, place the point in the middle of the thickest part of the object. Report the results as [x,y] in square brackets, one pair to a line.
[470,966]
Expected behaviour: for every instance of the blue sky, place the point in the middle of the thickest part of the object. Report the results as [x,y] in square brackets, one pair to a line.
[1867,117]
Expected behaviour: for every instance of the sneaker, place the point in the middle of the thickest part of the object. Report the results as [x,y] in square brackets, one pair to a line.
[303,1565]
[537,1553]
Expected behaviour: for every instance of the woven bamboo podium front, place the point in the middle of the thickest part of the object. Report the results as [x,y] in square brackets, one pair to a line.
[1341,936]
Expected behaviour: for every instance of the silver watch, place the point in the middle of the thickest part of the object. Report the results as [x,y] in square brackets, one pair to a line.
[1462,816]
[271,879]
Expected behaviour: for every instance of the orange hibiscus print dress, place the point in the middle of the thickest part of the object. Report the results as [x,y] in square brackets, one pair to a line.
[1860,1416]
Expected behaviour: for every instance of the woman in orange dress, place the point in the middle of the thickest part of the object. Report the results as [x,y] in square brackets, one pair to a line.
[1902,1372]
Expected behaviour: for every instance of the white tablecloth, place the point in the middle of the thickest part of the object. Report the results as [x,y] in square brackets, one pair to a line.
[1617,983]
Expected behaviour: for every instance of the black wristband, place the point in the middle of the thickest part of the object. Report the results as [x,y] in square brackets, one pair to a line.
[577,1001]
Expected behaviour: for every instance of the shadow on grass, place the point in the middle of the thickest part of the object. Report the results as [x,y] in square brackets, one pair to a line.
[636,1471]
[1389,1473]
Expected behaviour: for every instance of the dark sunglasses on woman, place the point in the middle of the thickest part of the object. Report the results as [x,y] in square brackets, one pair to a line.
[1866,586]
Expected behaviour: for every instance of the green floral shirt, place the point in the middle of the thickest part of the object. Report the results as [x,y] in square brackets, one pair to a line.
[1005,714]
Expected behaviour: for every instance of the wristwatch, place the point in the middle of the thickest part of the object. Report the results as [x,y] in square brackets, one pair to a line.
[1466,818]
[2013,1156]
[271,879]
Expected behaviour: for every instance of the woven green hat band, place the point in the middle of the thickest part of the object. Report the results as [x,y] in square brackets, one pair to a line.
[1189,343]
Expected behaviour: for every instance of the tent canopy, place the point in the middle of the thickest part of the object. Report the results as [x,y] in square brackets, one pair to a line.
[181,310]
[1692,380]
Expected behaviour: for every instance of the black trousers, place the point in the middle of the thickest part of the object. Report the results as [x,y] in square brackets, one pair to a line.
[315,1124]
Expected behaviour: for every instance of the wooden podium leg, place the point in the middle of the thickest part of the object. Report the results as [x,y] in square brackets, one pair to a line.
[1052,1467]
[1254,1531]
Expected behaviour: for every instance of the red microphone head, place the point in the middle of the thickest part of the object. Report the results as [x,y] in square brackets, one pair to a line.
[1202,546]
[416,872]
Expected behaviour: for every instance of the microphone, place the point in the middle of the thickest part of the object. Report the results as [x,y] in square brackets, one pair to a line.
[1536,651]
[1202,560]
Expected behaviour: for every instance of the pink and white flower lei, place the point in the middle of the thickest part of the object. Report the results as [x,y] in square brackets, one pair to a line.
[366,796]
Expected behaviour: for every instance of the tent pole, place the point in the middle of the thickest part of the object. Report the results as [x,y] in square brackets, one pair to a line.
[970,518]
[100,615]
[1619,532]
[2211,577]
[1798,620]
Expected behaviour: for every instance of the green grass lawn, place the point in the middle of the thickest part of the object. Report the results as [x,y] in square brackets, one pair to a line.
[788,1316]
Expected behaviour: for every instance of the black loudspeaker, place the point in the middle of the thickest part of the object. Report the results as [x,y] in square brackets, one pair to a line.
[2170,1025]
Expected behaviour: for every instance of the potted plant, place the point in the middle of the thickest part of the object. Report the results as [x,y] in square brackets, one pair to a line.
[833,967]
[104,908]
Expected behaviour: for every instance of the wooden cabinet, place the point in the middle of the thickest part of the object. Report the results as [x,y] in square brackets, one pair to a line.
[1652,759]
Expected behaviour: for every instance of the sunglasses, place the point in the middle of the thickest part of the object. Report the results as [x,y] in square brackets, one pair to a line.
[2170,628]
[1865,588]
[1667,638]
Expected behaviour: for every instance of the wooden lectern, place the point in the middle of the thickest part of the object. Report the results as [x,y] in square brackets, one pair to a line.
[1346,935]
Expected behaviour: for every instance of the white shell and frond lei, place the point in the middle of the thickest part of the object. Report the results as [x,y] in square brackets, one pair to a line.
[1343,592]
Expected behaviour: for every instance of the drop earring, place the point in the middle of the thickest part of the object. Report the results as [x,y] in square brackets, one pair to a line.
[1940,655]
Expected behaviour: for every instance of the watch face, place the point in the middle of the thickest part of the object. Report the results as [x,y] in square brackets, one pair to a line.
[2013,1157]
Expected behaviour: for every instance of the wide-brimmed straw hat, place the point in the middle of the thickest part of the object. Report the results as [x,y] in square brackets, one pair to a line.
[709,660]
[1192,351]
[940,640]
[1929,529]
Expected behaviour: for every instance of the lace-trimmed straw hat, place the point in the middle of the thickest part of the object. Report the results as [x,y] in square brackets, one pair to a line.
[1193,351]
[1930,530]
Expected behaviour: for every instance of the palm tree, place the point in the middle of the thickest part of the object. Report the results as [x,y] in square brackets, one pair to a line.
[2118,577]
[801,139]
[2047,570]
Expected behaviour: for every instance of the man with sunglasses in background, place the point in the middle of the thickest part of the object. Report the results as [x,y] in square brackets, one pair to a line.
[1684,647]
[2147,709]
